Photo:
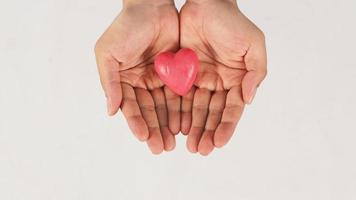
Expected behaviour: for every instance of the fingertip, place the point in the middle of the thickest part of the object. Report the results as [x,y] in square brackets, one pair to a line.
[169,147]
[155,141]
[250,95]
[109,107]
[192,148]
[174,127]
[221,139]
[156,151]
[111,112]
[206,144]
[250,83]
[219,144]
[185,122]
[113,103]
[142,137]
[184,133]
[139,128]
[168,139]
[205,153]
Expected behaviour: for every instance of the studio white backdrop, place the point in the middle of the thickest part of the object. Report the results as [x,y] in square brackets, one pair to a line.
[297,140]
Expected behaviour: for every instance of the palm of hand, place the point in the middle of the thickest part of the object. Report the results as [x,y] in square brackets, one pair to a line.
[233,62]
[143,41]
[219,42]
[220,36]
[130,45]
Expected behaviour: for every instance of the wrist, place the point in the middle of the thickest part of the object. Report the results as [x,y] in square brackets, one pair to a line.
[128,3]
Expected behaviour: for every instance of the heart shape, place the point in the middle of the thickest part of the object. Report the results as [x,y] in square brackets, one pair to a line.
[177,70]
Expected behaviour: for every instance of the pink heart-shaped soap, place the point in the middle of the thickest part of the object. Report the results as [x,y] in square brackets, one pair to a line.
[178,71]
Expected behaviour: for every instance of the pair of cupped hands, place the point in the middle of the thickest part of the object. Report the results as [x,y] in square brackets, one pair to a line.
[232,55]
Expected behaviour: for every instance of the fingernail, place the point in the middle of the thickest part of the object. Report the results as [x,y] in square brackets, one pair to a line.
[252,95]
[109,106]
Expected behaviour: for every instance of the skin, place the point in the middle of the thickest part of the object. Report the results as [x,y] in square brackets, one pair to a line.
[232,53]
[125,55]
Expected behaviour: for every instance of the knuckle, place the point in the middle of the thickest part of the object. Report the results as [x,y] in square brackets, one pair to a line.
[148,108]
[200,108]
[161,107]
[127,102]
[215,111]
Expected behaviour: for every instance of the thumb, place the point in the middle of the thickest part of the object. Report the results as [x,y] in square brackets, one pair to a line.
[256,65]
[108,68]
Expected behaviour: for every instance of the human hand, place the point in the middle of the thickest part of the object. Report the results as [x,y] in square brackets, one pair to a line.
[125,54]
[232,53]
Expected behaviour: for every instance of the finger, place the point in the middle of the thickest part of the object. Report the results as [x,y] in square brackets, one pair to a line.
[147,107]
[200,111]
[108,69]
[173,105]
[232,112]
[186,111]
[132,113]
[216,108]
[256,65]
[162,114]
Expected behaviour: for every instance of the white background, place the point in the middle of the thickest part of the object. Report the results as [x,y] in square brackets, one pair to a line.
[297,141]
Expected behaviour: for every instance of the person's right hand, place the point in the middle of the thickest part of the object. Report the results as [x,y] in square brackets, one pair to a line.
[125,54]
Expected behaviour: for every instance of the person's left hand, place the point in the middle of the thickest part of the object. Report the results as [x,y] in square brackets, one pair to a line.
[232,53]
